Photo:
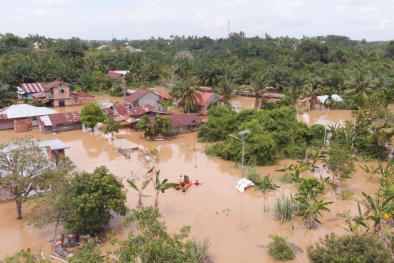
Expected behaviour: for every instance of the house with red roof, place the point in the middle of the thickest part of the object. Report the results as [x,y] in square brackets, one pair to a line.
[207,98]
[117,75]
[59,122]
[143,97]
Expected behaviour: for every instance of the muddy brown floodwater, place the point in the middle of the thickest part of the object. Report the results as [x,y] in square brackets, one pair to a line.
[236,223]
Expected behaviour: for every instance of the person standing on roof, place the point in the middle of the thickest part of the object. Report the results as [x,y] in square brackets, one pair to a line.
[180,179]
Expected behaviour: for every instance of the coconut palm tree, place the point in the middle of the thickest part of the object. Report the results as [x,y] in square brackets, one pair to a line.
[361,82]
[226,89]
[161,187]
[140,195]
[296,90]
[278,78]
[336,81]
[313,210]
[211,75]
[313,87]
[259,85]
[186,92]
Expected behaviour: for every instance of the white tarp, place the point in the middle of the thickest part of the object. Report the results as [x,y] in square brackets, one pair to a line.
[244,183]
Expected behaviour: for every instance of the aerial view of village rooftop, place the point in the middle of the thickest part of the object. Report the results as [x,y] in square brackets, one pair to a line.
[230,131]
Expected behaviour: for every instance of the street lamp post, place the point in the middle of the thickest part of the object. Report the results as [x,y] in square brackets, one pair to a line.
[243,134]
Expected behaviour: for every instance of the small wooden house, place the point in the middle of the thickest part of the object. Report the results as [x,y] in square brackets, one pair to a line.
[59,122]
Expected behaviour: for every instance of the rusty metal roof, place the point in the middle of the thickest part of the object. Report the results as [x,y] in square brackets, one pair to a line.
[58,119]
[120,109]
[141,110]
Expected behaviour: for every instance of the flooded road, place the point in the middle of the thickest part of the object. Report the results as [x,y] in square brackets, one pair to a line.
[236,223]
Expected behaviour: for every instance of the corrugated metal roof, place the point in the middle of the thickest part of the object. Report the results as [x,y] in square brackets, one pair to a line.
[60,118]
[54,144]
[137,95]
[120,109]
[25,110]
[141,110]
[33,87]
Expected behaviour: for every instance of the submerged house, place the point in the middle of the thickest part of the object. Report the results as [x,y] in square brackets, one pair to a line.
[60,122]
[56,93]
[22,117]
[182,123]
[143,97]
[207,98]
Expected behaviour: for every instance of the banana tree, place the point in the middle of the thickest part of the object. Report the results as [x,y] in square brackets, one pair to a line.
[140,195]
[313,210]
[161,187]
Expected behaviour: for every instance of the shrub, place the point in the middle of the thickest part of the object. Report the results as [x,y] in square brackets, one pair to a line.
[310,187]
[350,248]
[279,249]
[285,208]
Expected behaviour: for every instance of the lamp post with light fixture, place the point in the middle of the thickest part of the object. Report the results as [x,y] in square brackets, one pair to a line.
[243,134]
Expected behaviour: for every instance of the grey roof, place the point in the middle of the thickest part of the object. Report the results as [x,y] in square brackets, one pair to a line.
[25,110]
[335,97]
[54,144]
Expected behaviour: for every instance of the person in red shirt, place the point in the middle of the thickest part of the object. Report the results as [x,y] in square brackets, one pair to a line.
[197,183]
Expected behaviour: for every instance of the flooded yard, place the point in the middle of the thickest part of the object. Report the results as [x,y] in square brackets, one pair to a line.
[237,223]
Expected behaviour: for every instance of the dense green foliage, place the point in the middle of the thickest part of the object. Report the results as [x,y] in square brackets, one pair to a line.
[349,248]
[279,249]
[91,114]
[152,243]
[274,134]
[91,199]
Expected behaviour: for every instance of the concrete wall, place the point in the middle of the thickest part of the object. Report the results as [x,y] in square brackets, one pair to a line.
[60,91]
[149,98]
[203,110]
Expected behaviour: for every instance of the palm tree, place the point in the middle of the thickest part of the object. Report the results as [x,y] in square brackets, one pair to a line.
[313,87]
[388,95]
[226,89]
[296,89]
[161,187]
[140,195]
[313,210]
[336,81]
[278,78]
[259,86]
[186,92]
[361,82]
[211,75]
[244,75]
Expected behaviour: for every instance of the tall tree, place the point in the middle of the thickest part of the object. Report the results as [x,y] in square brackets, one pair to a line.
[226,89]
[27,169]
[186,92]
[361,82]
[259,85]
[92,198]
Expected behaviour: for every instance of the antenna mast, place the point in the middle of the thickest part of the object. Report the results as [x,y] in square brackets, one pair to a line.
[228,29]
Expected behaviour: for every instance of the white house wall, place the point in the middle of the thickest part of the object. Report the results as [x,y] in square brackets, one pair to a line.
[151,99]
